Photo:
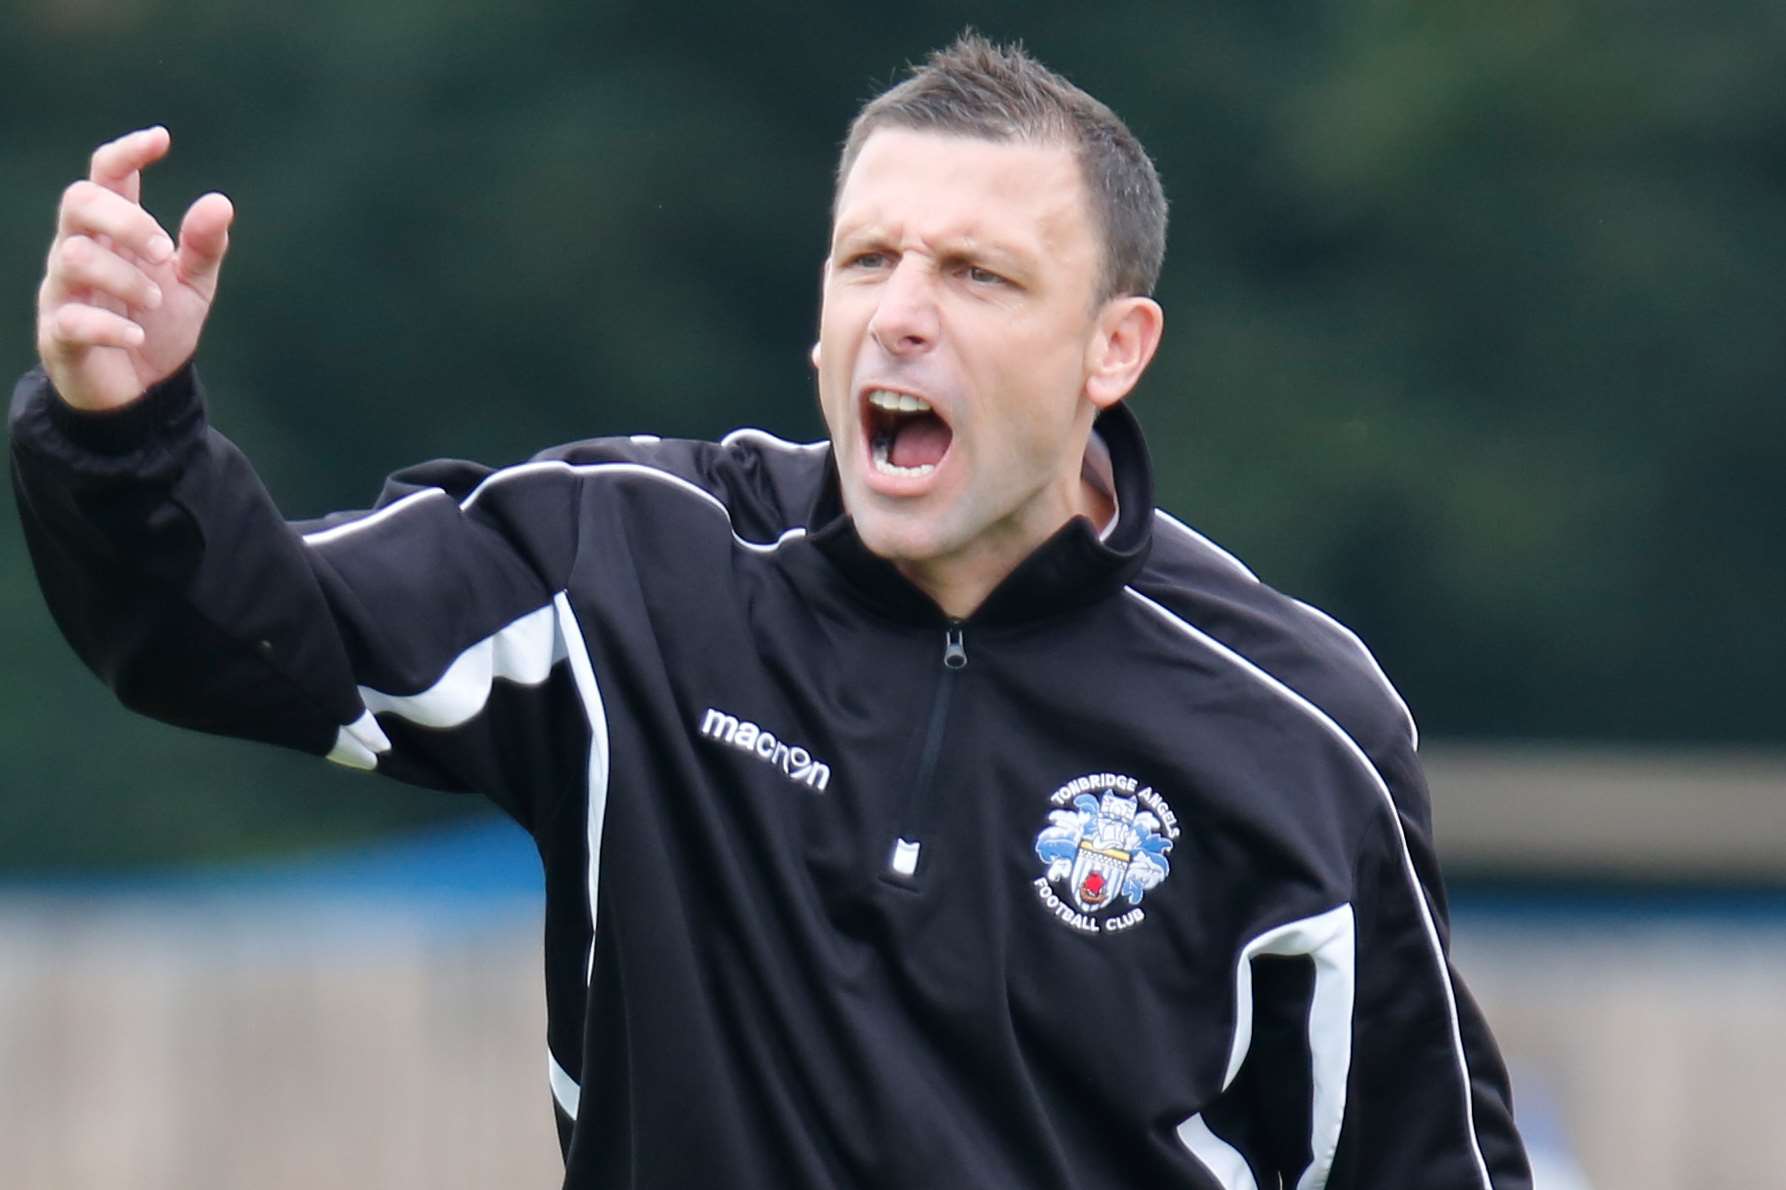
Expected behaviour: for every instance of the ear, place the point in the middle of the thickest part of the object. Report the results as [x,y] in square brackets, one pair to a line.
[814,356]
[1122,345]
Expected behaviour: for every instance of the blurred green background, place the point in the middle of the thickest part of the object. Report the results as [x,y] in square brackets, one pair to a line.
[1475,317]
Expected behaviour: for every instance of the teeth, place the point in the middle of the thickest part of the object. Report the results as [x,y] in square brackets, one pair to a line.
[880,398]
[887,467]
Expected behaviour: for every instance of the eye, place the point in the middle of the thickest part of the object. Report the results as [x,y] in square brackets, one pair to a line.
[981,276]
[866,260]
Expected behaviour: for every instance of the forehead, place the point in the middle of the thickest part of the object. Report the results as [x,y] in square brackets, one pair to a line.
[1023,194]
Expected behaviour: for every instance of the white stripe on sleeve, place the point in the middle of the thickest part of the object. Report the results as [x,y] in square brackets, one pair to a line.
[1221,1159]
[584,672]
[349,528]
[564,1088]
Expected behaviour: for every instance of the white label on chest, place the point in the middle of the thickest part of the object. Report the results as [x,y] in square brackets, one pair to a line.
[905,857]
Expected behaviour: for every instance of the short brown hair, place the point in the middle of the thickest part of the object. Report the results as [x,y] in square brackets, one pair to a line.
[999,93]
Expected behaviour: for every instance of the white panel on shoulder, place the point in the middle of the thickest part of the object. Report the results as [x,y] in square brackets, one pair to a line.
[524,651]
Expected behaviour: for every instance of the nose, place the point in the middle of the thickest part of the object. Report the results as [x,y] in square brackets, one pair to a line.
[905,322]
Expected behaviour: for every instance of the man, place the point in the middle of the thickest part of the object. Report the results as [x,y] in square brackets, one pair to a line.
[923,809]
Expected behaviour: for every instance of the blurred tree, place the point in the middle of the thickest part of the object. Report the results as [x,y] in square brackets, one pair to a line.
[1474,317]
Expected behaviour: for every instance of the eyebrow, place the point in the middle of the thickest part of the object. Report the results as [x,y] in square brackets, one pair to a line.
[952,248]
[868,233]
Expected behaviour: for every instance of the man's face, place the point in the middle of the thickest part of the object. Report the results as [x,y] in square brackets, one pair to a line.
[961,277]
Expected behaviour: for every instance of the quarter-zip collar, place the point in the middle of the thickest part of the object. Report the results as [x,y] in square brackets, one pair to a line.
[1070,569]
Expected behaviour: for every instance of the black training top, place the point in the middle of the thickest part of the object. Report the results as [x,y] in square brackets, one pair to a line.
[1126,880]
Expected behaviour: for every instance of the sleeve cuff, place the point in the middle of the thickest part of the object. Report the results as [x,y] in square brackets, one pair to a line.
[126,429]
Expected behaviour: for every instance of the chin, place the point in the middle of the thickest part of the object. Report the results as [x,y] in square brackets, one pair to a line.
[900,538]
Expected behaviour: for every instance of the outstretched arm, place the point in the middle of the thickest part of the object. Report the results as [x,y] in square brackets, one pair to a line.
[171,572]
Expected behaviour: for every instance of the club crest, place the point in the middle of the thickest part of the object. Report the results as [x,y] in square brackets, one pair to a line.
[1105,846]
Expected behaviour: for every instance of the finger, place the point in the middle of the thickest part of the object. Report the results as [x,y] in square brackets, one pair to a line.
[84,265]
[91,210]
[117,165]
[204,238]
[102,300]
[75,326]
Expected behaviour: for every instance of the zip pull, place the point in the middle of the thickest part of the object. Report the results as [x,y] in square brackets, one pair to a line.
[954,651]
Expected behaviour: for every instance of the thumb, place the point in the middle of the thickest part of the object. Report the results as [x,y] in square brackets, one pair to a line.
[204,238]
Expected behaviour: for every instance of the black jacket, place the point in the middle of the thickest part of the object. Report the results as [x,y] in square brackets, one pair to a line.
[1126,880]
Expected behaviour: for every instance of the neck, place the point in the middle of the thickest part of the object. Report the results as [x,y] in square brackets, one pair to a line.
[960,584]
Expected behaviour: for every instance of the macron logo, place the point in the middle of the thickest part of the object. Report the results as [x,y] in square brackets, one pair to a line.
[797,763]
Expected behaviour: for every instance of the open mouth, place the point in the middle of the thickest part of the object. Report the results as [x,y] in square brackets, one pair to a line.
[906,437]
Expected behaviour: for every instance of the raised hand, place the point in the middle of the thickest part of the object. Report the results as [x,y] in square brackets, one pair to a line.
[121,305]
